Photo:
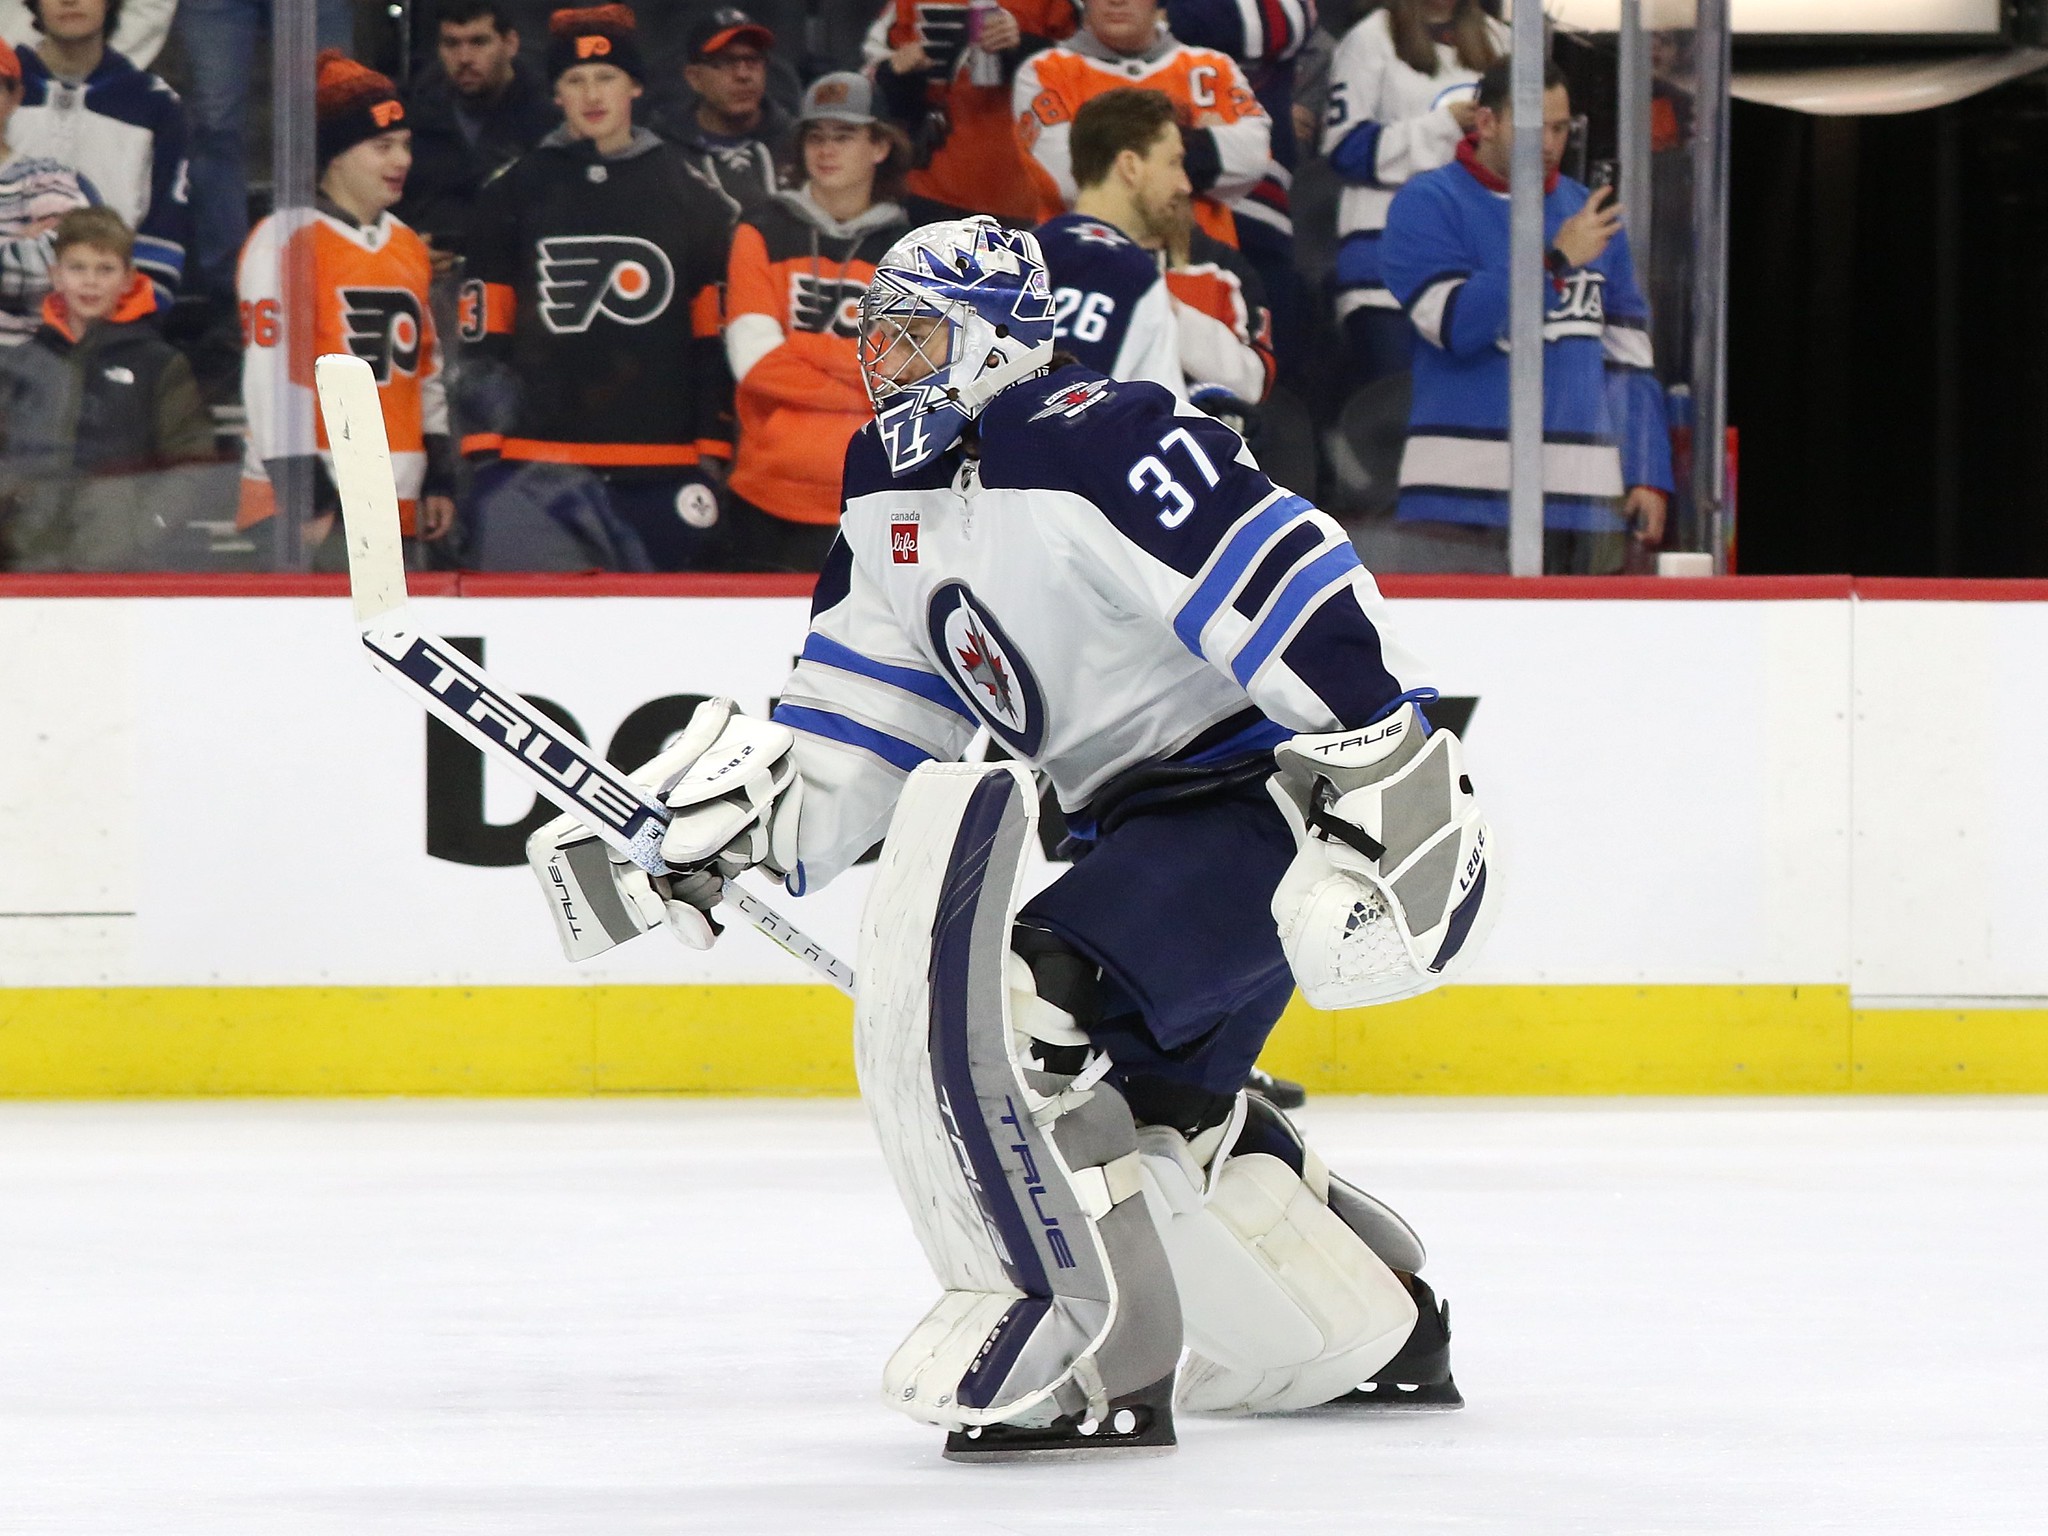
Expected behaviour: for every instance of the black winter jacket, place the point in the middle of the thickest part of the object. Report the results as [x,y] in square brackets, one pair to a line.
[447,168]
[747,172]
[99,438]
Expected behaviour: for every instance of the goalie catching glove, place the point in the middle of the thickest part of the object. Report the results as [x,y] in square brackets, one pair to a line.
[732,787]
[1388,894]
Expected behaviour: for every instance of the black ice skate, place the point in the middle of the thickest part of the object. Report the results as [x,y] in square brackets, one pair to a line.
[1418,1379]
[1137,1424]
[1278,1090]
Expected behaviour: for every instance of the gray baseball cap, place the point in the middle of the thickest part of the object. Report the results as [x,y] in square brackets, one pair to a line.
[844,97]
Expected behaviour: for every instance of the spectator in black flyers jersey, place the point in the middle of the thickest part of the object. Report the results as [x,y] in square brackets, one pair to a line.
[731,128]
[595,396]
[473,111]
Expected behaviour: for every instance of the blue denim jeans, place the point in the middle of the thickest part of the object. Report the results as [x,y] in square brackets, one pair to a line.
[220,38]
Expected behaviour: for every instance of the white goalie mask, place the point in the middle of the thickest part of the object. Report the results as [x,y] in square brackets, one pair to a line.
[955,314]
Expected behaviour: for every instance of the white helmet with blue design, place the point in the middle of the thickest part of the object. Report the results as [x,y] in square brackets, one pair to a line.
[955,314]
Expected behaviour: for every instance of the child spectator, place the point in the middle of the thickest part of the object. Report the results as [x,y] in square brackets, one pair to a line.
[34,194]
[593,373]
[139,34]
[97,414]
[120,128]
[800,266]
[370,277]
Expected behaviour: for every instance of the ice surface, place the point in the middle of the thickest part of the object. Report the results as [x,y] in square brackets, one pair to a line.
[670,1316]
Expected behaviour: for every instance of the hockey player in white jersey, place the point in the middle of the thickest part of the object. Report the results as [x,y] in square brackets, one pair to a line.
[1102,579]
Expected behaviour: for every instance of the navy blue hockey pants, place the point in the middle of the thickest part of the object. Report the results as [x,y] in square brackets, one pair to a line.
[1174,906]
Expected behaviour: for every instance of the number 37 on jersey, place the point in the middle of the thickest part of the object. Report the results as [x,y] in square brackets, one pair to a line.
[1152,474]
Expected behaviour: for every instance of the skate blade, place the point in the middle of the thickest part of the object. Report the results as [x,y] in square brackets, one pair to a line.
[1386,1397]
[1058,1453]
[1137,1426]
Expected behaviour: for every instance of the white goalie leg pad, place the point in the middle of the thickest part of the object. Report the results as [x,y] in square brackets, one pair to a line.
[1023,1186]
[1388,895]
[1285,1305]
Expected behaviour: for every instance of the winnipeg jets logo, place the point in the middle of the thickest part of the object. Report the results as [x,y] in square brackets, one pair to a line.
[618,276]
[1072,400]
[1580,306]
[986,668]
[823,304]
[1099,234]
[1581,296]
[382,327]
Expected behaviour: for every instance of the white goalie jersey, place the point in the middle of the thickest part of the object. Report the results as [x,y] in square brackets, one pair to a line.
[1113,582]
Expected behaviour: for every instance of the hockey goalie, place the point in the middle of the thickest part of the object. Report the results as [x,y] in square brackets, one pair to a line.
[1105,582]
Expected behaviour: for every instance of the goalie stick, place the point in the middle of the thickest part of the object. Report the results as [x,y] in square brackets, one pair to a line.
[460,694]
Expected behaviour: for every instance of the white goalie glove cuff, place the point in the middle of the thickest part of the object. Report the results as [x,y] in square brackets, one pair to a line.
[737,802]
[1388,894]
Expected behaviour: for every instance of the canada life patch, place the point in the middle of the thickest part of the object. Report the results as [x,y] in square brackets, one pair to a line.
[903,539]
[987,669]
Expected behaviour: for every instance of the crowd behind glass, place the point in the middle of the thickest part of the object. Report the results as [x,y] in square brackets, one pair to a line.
[607,264]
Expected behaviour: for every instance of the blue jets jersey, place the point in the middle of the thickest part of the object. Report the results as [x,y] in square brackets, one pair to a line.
[1113,582]
[1445,258]
[1111,308]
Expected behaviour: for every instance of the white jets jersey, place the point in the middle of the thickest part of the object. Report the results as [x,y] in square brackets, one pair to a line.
[1386,124]
[1113,582]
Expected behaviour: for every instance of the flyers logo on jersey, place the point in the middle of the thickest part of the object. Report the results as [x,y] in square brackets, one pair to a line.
[382,327]
[942,33]
[825,305]
[618,276]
